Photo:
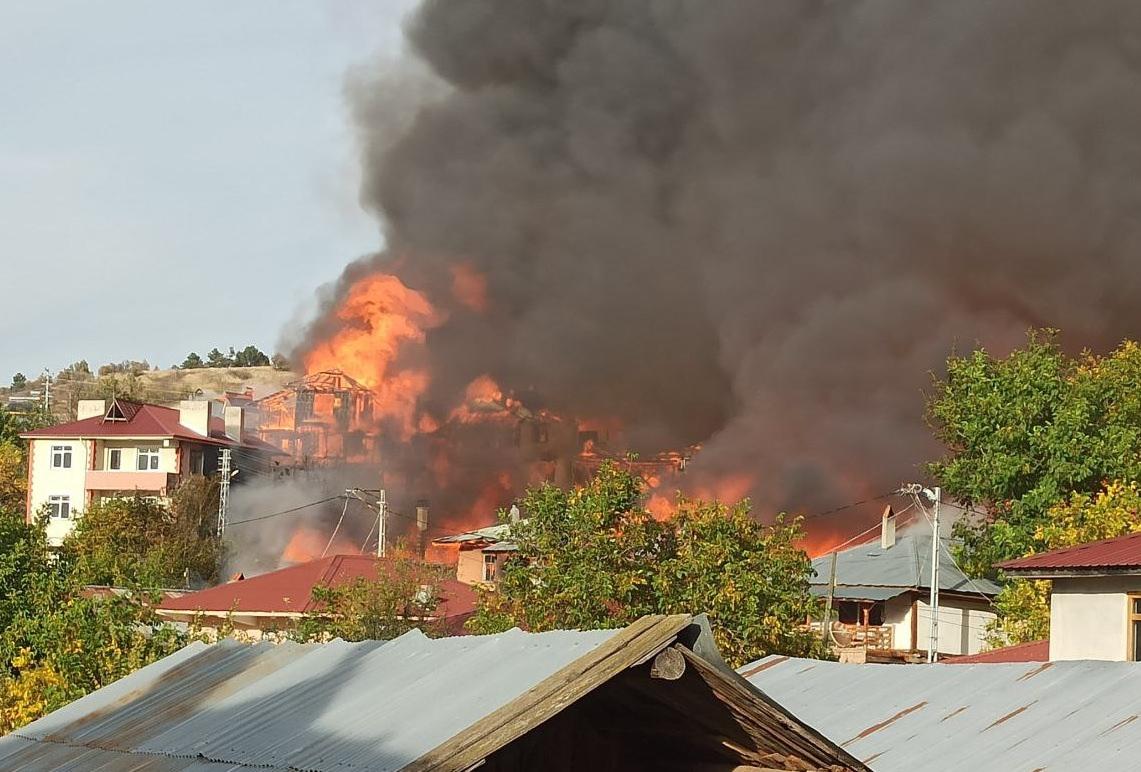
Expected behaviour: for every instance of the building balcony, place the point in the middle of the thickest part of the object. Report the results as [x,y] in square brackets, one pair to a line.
[129,480]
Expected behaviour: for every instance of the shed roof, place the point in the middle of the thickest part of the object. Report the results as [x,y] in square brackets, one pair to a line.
[412,703]
[987,718]
[1122,553]
[290,590]
[1033,651]
[906,565]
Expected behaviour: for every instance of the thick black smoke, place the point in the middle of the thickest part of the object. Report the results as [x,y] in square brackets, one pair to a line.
[761,225]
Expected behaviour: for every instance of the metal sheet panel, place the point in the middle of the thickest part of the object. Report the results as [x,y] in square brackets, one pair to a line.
[857,593]
[986,718]
[336,706]
[907,564]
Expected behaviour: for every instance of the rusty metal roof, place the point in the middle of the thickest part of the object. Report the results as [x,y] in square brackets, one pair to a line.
[986,718]
[1124,552]
[369,705]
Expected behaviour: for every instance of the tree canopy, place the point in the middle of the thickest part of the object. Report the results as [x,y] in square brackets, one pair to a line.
[250,356]
[139,543]
[1024,432]
[57,642]
[595,557]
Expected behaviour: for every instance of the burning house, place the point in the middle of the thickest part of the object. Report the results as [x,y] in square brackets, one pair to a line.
[322,418]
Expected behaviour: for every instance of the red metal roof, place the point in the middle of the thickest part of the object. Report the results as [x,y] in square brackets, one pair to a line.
[290,590]
[1122,552]
[146,420]
[1034,651]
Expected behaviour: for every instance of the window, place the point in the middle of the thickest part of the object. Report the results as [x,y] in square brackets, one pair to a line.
[148,459]
[115,458]
[197,462]
[61,456]
[489,566]
[59,506]
[1134,628]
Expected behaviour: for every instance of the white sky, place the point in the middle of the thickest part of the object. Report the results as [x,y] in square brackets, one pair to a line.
[175,176]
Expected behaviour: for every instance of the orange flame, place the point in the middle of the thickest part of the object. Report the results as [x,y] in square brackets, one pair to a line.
[382,317]
[307,544]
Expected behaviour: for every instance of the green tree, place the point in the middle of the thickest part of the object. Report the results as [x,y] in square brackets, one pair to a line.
[192,361]
[405,595]
[1024,606]
[58,643]
[215,358]
[19,381]
[1024,431]
[139,543]
[251,356]
[594,557]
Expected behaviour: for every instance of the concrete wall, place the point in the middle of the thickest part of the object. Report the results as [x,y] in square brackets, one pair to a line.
[167,456]
[1089,617]
[897,615]
[962,625]
[469,567]
[46,481]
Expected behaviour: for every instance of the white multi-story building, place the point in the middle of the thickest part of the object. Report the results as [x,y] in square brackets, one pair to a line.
[126,448]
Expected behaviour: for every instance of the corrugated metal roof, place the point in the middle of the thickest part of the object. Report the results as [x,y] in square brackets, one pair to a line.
[858,592]
[986,718]
[1122,552]
[907,564]
[492,533]
[290,589]
[1034,651]
[369,705]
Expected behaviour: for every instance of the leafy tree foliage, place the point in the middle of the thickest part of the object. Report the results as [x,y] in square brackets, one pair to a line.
[138,543]
[1023,605]
[251,356]
[19,381]
[594,557]
[192,361]
[58,643]
[14,457]
[405,595]
[1025,431]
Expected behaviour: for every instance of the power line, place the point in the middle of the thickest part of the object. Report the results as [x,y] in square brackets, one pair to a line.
[849,506]
[286,511]
[873,528]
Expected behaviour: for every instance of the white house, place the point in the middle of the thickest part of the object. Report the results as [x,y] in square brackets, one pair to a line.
[882,594]
[1095,598]
[127,448]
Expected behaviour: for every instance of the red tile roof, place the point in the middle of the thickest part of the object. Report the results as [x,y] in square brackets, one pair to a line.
[146,420]
[1034,651]
[290,590]
[1122,552]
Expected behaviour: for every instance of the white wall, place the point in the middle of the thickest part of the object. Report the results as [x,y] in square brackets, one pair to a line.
[167,459]
[1089,617]
[962,625]
[46,481]
[897,614]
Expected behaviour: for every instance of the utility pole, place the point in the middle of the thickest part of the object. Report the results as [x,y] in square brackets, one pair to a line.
[47,393]
[934,495]
[826,628]
[933,644]
[223,488]
[381,524]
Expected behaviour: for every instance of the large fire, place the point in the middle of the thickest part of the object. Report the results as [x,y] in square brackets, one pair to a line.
[477,455]
[382,318]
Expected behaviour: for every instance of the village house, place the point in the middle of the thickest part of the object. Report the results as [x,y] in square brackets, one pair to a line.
[478,555]
[120,448]
[882,593]
[1095,598]
[275,601]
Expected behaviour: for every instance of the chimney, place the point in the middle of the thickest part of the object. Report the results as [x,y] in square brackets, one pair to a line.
[194,414]
[235,422]
[887,528]
[422,525]
[89,408]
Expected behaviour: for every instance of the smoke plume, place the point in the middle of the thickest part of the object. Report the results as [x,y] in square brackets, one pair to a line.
[757,225]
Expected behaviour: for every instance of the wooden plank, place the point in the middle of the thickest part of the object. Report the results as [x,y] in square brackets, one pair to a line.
[640,640]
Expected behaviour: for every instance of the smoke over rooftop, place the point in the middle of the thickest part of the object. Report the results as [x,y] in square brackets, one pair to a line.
[754,225]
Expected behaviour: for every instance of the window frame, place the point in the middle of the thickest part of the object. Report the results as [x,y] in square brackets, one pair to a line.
[59,507]
[115,459]
[62,453]
[490,560]
[1132,619]
[151,455]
